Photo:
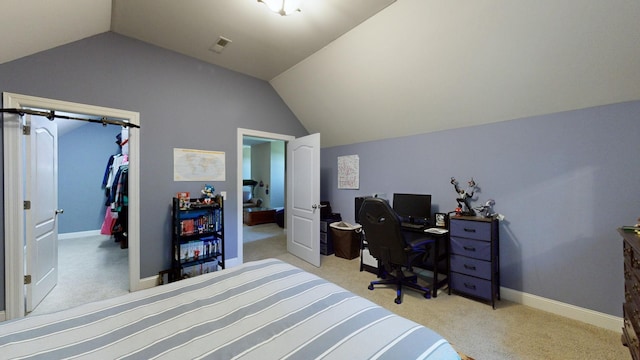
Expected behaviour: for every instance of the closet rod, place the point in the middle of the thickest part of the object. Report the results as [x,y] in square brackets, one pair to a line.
[52,115]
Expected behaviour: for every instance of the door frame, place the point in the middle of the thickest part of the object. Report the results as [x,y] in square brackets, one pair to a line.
[241,134]
[14,193]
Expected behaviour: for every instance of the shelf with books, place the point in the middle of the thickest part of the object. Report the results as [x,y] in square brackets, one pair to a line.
[197,237]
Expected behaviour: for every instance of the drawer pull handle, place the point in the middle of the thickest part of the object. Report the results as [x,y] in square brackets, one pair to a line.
[469,248]
[469,230]
[469,267]
[469,286]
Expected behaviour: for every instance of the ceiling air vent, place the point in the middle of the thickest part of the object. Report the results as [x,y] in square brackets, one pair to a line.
[219,45]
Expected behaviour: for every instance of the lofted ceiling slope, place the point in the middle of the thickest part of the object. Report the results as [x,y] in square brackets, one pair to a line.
[263,43]
[423,66]
[31,26]
[362,70]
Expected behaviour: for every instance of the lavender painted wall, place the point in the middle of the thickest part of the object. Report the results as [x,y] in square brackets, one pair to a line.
[183,103]
[564,181]
[80,174]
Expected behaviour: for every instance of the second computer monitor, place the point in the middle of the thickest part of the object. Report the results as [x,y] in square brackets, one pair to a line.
[415,208]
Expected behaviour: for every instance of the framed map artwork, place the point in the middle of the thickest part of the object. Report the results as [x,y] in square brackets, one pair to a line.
[198,165]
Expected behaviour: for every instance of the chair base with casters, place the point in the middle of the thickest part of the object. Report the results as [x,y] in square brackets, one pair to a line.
[400,280]
[420,251]
[395,250]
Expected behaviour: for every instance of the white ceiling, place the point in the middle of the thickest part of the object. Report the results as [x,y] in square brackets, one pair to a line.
[264,44]
[359,70]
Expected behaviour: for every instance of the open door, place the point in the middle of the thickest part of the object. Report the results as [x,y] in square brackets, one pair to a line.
[303,198]
[41,225]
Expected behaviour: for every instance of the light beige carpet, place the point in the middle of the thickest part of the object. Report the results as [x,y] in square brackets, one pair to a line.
[260,232]
[89,268]
[512,331]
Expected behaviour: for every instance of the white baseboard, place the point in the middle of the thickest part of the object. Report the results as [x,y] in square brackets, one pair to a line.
[229,263]
[3,316]
[78,234]
[147,282]
[152,281]
[588,316]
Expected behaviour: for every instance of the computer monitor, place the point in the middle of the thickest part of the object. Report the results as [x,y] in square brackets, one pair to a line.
[413,208]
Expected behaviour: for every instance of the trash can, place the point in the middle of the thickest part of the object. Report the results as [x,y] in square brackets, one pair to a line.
[346,239]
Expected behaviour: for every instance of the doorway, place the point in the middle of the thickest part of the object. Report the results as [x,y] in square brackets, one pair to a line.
[263,197]
[14,162]
[92,259]
[266,136]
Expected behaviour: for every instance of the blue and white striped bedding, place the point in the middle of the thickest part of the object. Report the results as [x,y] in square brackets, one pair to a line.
[266,309]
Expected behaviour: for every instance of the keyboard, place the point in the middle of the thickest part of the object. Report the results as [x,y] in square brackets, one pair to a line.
[412,226]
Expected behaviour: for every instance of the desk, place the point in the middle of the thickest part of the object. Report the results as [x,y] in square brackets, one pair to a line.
[439,253]
[255,216]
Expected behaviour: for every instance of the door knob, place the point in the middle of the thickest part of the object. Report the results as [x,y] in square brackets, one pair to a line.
[59,211]
[316,206]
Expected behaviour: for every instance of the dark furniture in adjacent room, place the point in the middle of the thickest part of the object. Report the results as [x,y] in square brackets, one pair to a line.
[631,307]
[258,215]
[474,260]
[387,243]
[280,217]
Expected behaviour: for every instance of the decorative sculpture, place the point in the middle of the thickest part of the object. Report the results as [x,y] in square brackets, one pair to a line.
[464,197]
[208,191]
[485,210]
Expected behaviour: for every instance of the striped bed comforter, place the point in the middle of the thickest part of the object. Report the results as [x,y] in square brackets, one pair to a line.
[266,309]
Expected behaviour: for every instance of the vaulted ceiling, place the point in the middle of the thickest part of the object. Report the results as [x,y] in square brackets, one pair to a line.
[361,70]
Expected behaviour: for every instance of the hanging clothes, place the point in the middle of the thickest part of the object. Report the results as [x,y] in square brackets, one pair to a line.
[121,194]
[120,205]
[113,164]
[116,185]
[108,222]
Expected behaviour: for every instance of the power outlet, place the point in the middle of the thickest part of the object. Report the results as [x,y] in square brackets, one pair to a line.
[224,195]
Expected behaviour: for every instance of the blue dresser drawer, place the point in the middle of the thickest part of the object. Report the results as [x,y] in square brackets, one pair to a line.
[471,266]
[471,248]
[478,230]
[471,285]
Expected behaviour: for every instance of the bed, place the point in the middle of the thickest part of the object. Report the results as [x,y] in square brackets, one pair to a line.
[266,309]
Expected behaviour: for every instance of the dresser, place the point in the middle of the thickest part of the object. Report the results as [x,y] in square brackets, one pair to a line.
[326,241]
[631,305]
[474,262]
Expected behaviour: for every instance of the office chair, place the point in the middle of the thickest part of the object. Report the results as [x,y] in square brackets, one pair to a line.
[388,244]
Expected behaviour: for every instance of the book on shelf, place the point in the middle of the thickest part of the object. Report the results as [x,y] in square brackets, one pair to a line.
[187,226]
[201,249]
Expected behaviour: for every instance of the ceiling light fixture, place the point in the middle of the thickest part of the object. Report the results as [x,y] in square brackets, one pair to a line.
[282,7]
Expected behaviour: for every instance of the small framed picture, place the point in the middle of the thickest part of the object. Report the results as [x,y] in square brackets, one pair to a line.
[441,219]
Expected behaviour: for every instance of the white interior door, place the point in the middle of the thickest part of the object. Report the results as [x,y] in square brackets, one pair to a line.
[41,221]
[303,198]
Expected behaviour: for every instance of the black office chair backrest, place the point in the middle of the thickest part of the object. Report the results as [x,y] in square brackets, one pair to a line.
[382,231]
